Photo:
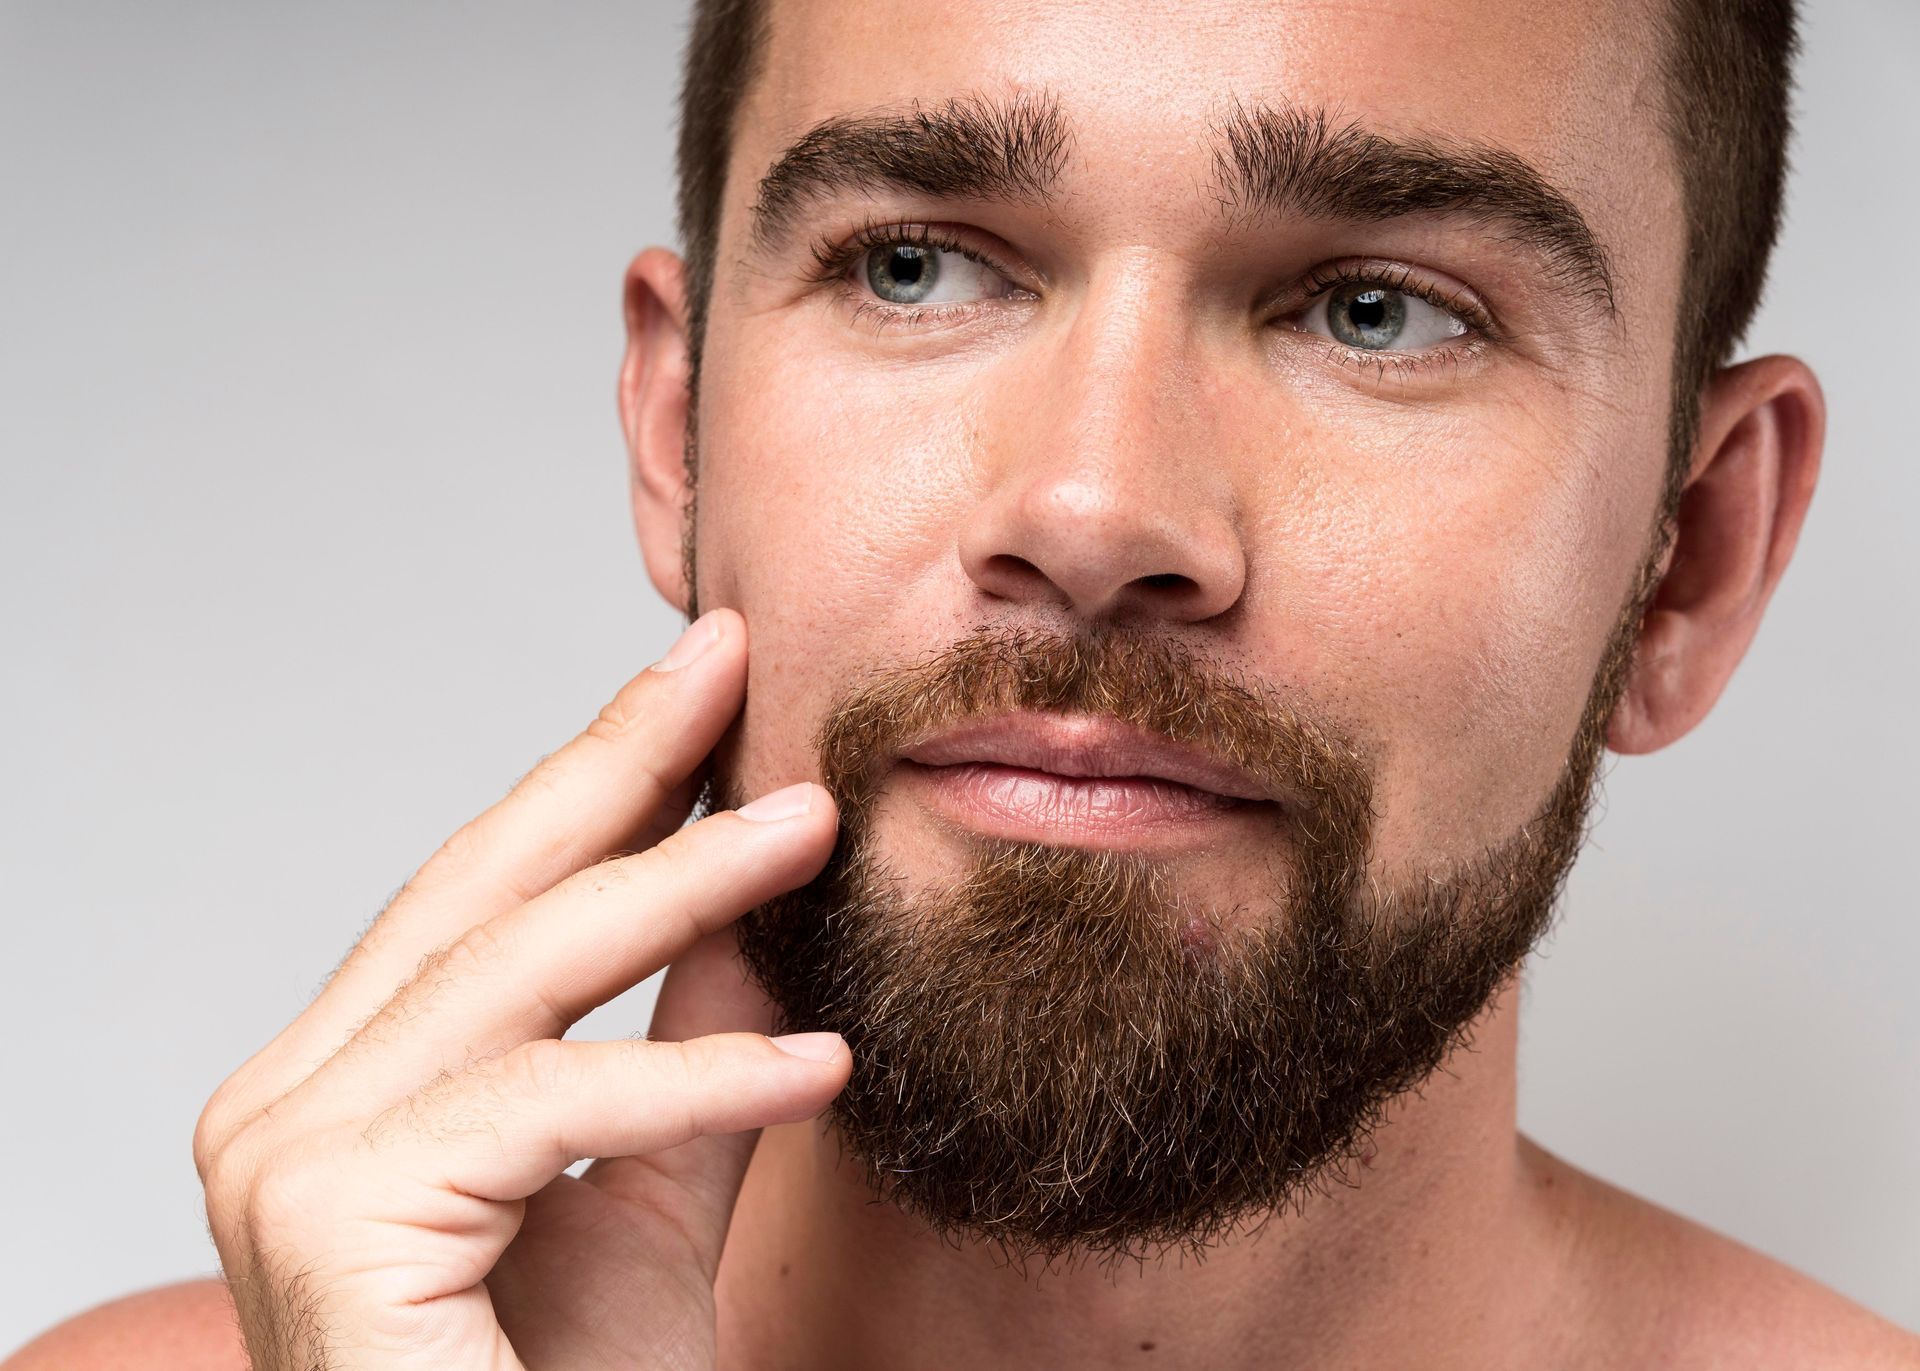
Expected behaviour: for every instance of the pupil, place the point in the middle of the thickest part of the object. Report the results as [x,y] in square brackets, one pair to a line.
[907,266]
[1369,311]
[903,273]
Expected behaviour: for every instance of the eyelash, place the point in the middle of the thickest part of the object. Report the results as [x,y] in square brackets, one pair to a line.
[1481,325]
[833,258]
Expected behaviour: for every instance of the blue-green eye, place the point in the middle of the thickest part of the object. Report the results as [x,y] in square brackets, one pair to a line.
[903,273]
[1374,317]
[1365,316]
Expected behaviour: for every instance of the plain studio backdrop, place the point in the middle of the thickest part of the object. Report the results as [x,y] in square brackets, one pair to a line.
[315,537]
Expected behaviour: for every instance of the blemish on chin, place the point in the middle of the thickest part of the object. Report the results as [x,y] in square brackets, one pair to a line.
[1198,936]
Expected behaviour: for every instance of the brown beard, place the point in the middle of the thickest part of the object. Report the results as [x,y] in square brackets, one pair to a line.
[1045,1061]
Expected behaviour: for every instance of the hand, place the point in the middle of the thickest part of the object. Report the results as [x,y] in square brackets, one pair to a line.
[385,1179]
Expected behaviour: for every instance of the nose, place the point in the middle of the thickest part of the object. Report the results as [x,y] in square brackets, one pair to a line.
[1097,493]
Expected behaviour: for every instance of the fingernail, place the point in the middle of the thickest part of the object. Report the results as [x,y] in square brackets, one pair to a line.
[789,803]
[815,1047]
[701,634]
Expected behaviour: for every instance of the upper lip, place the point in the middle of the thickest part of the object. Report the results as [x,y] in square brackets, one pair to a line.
[1084,745]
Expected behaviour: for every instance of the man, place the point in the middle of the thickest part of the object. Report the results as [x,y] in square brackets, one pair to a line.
[1181,495]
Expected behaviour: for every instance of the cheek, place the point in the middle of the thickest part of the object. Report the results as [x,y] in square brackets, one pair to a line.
[1443,585]
[825,498]
[1449,588]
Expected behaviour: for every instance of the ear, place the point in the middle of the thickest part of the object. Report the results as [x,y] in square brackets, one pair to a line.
[653,414]
[1762,424]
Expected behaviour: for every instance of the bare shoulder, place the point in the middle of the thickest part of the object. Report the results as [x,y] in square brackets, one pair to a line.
[1681,1295]
[189,1326]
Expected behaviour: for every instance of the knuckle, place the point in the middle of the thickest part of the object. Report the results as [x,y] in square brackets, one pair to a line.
[617,877]
[392,1124]
[621,715]
[707,845]
[260,1202]
[640,1058]
[544,778]
[211,1131]
[468,845]
[280,1199]
[478,950]
[477,846]
[646,880]
[662,859]
[662,877]
[540,1069]
[697,1066]
[225,1177]
[208,1134]
[221,1133]
[413,1116]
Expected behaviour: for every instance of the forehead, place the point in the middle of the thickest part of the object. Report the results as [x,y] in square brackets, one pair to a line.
[1574,87]
[1442,65]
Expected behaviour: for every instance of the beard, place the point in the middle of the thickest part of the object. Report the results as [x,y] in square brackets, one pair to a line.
[1047,1058]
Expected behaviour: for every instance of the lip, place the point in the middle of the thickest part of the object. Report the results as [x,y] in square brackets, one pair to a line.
[1059,777]
[1083,746]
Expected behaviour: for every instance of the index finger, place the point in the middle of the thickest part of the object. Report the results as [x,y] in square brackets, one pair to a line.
[622,784]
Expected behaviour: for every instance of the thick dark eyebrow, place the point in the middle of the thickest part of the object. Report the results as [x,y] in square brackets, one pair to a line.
[1271,159]
[1267,159]
[967,148]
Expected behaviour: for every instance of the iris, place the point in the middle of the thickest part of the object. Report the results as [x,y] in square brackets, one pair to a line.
[1365,315]
[902,274]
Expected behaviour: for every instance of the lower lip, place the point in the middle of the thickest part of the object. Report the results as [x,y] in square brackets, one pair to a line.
[1039,806]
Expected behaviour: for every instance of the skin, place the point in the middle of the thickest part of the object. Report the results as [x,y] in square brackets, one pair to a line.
[1437,563]
[1435,560]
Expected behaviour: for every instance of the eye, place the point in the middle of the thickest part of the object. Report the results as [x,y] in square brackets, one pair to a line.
[1373,316]
[924,273]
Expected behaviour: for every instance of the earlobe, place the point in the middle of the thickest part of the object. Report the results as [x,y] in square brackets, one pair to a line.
[654,412]
[1762,424]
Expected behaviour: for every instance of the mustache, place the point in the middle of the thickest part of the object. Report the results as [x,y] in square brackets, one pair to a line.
[1151,681]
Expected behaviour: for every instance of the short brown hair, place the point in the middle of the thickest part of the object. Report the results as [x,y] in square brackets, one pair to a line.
[1729,85]
[1728,75]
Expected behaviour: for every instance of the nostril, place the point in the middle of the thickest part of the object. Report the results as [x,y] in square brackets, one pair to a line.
[1168,580]
[1016,570]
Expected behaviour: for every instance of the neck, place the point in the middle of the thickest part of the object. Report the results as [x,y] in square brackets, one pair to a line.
[1440,1254]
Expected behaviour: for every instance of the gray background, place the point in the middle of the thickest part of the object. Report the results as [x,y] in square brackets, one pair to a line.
[313,537]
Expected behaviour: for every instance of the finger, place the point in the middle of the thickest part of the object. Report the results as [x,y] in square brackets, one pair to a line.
[605,791]
[627,777]
[706,990]
[504,1128]
[533,972]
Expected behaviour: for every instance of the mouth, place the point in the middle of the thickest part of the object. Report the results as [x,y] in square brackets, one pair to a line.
[1079,780]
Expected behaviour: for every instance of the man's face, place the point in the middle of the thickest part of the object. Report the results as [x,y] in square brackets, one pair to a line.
[1396,472]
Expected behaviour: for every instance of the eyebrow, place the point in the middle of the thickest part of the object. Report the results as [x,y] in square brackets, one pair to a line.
[1267,159]
[967,148]
[1270,159]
